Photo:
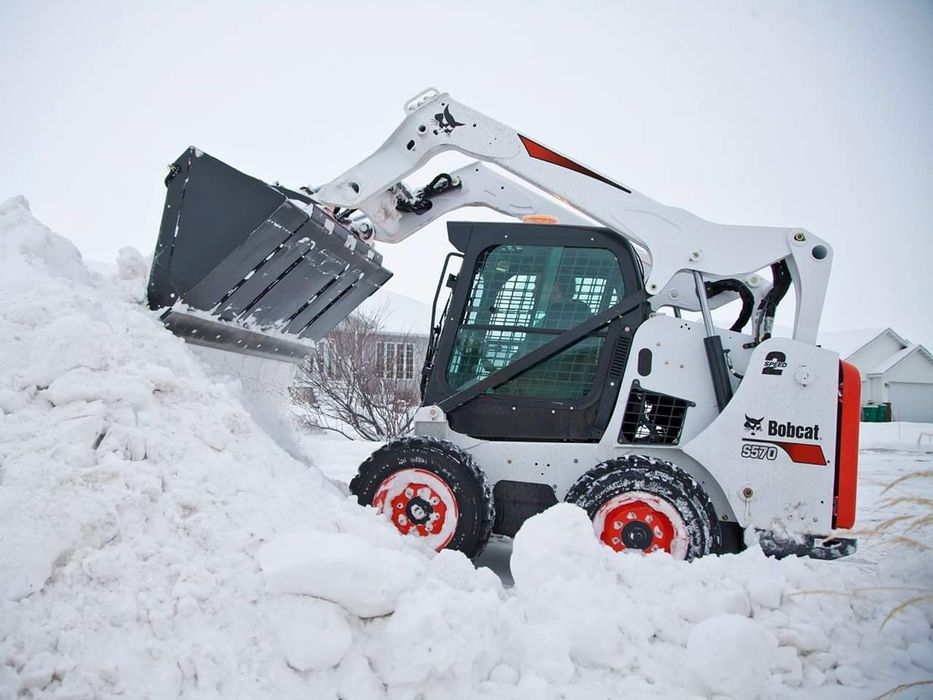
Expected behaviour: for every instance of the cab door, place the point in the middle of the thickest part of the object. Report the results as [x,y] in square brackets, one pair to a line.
[522,286]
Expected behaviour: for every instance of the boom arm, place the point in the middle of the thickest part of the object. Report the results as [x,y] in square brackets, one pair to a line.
[677,240]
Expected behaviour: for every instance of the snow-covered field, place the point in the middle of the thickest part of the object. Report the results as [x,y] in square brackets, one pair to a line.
[157,541]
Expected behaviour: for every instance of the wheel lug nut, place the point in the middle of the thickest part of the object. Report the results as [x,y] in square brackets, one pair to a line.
[617,525]
[648,518]
[630,516]
[657,532]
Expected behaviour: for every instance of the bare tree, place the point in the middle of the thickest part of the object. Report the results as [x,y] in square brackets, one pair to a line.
[361,382]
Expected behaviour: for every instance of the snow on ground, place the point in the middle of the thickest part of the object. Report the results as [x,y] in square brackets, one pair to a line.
[917,437]
[156,541]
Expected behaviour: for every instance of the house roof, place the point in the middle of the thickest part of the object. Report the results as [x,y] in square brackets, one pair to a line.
[848,342]
[899,357]
[398,313]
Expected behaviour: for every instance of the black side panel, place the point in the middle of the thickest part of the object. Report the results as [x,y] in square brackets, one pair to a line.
[240,250]
[516,501]
[644,362]
[498,417]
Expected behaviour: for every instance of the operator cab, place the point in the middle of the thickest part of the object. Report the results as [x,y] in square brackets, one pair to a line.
[521,287]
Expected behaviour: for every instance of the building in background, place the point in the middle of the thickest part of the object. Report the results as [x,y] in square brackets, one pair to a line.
[364,378]
[403,327]
[897,375]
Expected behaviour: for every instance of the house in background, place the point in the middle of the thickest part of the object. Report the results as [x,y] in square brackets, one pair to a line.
[364,377]
[895,372]
[404,326]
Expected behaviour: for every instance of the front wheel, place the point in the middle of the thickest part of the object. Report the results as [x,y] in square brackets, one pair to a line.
[429,488]
[643,504]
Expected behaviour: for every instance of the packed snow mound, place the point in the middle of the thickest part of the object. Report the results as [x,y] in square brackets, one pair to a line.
[156,541]
[135,491]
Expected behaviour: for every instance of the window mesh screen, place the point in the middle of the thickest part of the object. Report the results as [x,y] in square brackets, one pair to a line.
[651,418]
[567,375]
[523,296]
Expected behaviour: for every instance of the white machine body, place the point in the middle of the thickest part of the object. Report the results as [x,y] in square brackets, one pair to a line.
[767,461]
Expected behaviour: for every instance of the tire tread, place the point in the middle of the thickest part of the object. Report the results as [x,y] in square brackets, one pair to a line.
[374,470]
[645,473]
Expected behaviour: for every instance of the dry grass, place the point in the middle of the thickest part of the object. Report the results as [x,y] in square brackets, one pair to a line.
[921,501]
[920,599]
[855,591]
[881,527]
[909,542]
[902,687]
[911,523]
[925,474]
[922,521]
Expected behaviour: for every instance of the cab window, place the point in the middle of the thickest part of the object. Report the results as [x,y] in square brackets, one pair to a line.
[521,297]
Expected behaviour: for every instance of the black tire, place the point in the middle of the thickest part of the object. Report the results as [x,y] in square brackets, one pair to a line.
[662,479]
[447,461]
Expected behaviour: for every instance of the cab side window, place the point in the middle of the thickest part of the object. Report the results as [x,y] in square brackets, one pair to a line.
[521,297]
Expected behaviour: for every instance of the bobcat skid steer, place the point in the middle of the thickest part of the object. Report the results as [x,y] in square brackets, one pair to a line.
[560,367]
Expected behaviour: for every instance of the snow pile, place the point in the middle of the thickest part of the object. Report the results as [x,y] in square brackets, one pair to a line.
[740,626]
[731,637]
[135,491]
[916,437]
[155,541]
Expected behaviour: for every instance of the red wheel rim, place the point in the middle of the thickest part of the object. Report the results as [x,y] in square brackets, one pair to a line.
[420,503]
[638,521]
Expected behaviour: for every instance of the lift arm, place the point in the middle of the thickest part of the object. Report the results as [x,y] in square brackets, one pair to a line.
[678,241]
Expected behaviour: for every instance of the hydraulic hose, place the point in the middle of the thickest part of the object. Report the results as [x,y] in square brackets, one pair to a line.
[745,294]
[764,317]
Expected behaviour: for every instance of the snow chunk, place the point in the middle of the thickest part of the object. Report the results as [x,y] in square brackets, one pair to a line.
[33,254]
[452,624]
[556,544]
[344,568]
[70,342]
[731,655]
[313,634]
[38,533]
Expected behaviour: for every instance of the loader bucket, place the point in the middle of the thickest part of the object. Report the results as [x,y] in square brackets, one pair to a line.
[251,268]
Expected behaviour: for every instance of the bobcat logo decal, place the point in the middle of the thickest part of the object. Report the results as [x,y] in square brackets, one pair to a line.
[445,122]
[753,425]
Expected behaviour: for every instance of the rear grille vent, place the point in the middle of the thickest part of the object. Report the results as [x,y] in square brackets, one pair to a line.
[651,418]
[620,357]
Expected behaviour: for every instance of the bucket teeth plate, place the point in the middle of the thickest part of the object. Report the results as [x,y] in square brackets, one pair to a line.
[241,264]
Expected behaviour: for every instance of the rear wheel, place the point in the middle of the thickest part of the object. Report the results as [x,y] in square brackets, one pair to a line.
[429,488]
[643,504]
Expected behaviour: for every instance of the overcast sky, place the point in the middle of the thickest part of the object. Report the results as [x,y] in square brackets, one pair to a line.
[812,114]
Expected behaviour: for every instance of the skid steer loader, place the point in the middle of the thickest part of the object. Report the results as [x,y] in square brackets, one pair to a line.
[560,367]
